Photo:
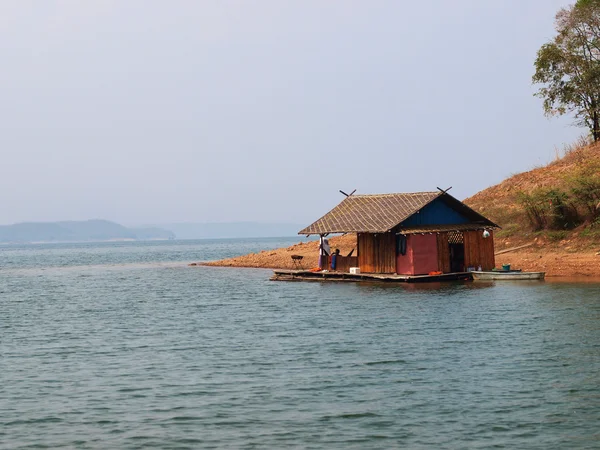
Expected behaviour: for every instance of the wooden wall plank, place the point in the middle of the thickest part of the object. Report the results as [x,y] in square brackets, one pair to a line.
[467,241]
[377,252]
[343,263]
[479,251]
[489,260]
[475,248]
[491,257]
[365,255]
[443,252]
[390,252]
[470,253]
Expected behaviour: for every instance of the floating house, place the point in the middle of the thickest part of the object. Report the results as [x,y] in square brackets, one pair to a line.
[420,233]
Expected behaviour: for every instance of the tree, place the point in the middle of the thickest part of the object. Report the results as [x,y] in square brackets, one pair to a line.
[568,66]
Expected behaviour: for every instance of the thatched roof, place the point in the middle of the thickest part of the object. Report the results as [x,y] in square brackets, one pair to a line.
[381,213]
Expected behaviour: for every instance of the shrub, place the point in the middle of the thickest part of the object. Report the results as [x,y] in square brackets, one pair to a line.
[534,208]
[549,209]
[585,190]
[563,214]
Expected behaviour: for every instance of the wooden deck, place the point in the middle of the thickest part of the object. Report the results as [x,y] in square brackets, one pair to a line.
[305,275]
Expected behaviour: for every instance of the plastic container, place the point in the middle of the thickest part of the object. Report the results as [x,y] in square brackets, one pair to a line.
[505,266]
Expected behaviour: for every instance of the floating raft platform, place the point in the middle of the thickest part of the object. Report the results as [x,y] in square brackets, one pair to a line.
[307,275]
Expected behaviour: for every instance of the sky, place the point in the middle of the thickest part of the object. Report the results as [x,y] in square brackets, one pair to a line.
[215,111]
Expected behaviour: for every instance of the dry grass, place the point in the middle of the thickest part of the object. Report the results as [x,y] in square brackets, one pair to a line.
[500,203]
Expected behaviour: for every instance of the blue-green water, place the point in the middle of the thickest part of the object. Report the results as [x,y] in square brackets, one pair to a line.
[125,346]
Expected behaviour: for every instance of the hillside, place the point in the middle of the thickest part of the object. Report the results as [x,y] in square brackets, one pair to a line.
[77,231]
[559,195]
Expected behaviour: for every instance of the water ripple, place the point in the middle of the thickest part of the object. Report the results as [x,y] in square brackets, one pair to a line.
[139,351]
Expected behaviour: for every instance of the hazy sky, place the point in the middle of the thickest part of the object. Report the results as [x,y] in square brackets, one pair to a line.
[165,111]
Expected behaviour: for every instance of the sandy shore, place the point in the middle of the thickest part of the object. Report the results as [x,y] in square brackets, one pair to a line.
[555,262]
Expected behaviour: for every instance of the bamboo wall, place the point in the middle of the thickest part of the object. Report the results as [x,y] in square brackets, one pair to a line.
[479,251]
[377,252]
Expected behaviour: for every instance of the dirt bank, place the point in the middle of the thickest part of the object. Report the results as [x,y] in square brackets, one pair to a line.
[556,263]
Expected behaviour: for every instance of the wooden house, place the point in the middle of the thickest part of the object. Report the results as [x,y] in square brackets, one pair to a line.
[410,234]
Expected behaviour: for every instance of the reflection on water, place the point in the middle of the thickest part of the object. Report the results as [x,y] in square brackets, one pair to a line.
[576,280]
[128,347]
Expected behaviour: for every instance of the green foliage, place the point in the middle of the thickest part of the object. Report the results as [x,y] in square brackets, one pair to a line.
[585,190]
[568,67]
[535,209]
[550,209]
[586,3]
[578,202]
[563,213]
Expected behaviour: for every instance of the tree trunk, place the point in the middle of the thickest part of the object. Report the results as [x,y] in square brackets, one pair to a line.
[595,119]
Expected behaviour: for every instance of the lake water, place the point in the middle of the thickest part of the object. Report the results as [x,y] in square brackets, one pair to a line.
[124,346]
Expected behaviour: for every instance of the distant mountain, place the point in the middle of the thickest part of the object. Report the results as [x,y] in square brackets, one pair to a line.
[232,230]
[77,231]
[104,230]
[97,230]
